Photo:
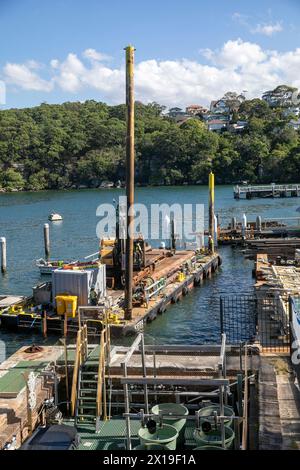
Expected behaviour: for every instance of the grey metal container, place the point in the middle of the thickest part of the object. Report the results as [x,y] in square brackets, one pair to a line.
[79,283]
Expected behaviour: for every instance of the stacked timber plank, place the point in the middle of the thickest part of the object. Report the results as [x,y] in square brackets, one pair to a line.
[13,392]
[278,247]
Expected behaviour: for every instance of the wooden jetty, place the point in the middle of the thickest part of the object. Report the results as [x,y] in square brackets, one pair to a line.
[236,233]
[266,191]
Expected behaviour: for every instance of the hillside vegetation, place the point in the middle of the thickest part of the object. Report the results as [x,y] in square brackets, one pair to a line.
[76,144]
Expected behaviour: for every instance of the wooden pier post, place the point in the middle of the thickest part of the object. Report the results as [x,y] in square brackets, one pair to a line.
[129,179]
[3,255]
[47,240]
[258,223]
[173,240]
[211,212]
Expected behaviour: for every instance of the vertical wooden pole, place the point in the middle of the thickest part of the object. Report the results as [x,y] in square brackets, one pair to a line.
[47,240]
[44,323]
[211,212]
[65,325]
[66,373]
[129,179]
[3,255]
[173,240]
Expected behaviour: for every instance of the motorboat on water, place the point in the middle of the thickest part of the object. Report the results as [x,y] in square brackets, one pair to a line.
[47,267]
[55,217]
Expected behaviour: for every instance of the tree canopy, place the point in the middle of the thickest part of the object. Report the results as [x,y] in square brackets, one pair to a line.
[76,144]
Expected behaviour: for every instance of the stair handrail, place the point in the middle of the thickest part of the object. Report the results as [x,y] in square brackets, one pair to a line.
[104,358]
[80,357]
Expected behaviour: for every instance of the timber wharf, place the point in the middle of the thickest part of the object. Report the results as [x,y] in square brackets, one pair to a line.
[237,233]
[266,191]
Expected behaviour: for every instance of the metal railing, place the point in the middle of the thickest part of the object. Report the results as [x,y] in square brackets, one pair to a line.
[269,187]
[80,357]
[154,289]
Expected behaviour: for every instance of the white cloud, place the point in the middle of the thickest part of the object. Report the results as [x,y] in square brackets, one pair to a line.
[23,77]
[268,29]
[237,66]
[92,54]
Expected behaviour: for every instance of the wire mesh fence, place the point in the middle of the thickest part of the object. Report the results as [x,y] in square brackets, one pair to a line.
[264,320]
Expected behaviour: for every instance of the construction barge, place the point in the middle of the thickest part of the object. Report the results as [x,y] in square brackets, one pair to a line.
[172,277]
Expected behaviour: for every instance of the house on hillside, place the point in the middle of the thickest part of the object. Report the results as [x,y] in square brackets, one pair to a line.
[294,124]
[176,113]
[282,96]
[217,125]
[238,126]
[292,110]
[195,110]
[219,107]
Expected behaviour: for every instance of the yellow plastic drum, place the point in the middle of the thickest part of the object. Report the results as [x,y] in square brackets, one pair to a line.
[60,304]
[71,305]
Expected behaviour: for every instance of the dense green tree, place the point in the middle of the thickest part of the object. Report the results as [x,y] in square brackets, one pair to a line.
[74,144]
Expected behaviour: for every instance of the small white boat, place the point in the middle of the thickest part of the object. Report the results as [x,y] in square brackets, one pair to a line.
[106,185]
[47,267]
[54,217]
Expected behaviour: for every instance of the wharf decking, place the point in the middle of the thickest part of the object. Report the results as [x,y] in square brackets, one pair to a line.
[196,267]
[266,191]
[174,290]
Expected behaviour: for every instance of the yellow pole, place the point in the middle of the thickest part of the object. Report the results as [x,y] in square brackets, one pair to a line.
[211,211]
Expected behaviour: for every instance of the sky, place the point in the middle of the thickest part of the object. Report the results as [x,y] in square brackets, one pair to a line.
[187,52]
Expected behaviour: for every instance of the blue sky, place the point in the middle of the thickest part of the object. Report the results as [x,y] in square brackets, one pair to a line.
[187,51]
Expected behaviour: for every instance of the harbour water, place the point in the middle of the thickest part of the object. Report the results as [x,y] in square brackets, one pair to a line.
[193,320]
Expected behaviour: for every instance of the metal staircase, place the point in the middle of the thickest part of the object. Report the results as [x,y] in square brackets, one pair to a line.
[88,399]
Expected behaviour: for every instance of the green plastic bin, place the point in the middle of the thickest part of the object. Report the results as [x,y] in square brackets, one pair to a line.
[177,410]
[214,438]
[207,414]
[212,448]
[166,435]
[149,447]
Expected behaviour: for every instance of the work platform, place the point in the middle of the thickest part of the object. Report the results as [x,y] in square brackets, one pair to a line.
[169,268]
[172,277]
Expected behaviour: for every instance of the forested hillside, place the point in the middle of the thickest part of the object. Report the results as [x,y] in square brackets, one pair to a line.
[81,144]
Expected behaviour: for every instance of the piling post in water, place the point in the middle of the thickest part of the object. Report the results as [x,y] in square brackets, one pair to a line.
[47,240]
[3,255]
[129,179]
[244,226]
[233,223]
[258,223]
[211,212]
[173,240]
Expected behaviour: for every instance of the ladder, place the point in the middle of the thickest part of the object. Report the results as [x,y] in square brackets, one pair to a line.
[88,399]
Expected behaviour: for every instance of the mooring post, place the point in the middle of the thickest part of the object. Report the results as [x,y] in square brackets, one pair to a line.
[215,231]
[211,212]
[129,179]
[173,240]
[233,223]
[258,223]
[244,226]
[3,255]
[47,240]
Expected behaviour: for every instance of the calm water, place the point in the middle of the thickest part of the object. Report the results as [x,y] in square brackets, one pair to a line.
[22,216]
